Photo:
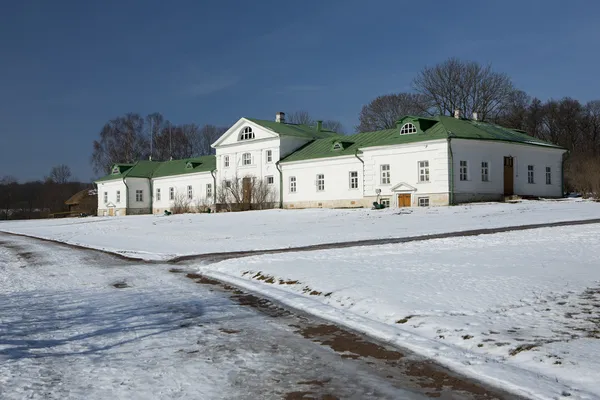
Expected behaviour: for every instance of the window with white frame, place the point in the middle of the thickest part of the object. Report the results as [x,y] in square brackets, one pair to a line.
[423,201]
[190,192]
[385,201]
[157,194]
[320,182]
[139,195]
[353,179]
[548,176]
[530,174]
[208,190]
[246,134]
[118,196]
[246,159]
[424,171]
[408,128]
[105,197]
[171,193]
[464,170]
[226,161]
[385,174]
[292,184]
[485,171]
[269,156]
[270,180]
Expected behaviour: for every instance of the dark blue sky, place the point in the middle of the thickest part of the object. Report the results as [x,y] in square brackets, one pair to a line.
[66,67]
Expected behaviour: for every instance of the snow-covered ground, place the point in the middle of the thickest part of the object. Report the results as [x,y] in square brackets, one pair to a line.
[520,310]
[160,237]
[66,332]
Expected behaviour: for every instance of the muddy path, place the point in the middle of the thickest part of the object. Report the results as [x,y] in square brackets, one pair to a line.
[401,368]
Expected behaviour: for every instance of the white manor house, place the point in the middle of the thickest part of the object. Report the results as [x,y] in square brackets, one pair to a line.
[423,161]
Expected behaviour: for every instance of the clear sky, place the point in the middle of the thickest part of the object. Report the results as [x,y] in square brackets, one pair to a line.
[68,66]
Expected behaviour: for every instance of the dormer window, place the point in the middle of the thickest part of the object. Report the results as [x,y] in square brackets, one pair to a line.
[189,165]
[408,129]
[246,134]
[115,170]
[338,146]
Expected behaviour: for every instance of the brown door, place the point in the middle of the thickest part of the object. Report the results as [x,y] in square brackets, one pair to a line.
[508,176]
[111,212]
[404,200]
[247,189]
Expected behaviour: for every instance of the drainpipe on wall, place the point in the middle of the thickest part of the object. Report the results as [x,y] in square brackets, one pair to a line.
[215,187]
[280,184]
[151,197]
[363,172]
[126,196]
[450,173]
[562,175]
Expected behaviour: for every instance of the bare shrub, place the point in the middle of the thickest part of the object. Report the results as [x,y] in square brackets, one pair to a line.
[201,205]
[247,193]
[181,204]
[581,174]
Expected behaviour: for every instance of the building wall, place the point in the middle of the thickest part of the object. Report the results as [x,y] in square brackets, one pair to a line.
[404,172]
[337,191]
[134,206]
[111,188]
[476,152]
[198,181]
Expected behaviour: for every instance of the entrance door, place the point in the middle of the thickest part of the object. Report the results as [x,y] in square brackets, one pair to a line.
[404,200]
[111,212]
[509,175]
[247,190]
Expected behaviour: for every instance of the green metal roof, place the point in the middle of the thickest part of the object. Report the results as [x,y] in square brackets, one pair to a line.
[156,169]
[186,166]
[297,130]
[141,169]
[435,128]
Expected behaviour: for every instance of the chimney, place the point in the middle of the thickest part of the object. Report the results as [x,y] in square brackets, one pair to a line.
[474,115]
[457,113]
[319,126]
[280,117]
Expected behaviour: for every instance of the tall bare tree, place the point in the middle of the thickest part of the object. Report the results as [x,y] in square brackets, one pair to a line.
[122,140]
[464,85]
[60,174]
[384,111]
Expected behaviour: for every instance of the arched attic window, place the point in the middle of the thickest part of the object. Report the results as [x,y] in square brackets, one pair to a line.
[246,134]
[408,128]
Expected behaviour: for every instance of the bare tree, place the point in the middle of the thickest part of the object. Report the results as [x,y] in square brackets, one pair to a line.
[384,111]
[304,118]
[122,140]
[464,85]
[207,135]
[300,117]
[60,174]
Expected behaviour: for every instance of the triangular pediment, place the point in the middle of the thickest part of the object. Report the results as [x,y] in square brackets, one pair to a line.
[232,134]
[110,204]
[403,187]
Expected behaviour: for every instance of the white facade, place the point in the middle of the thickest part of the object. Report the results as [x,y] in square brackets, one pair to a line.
[197,190]
[418,173]
[124,196]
